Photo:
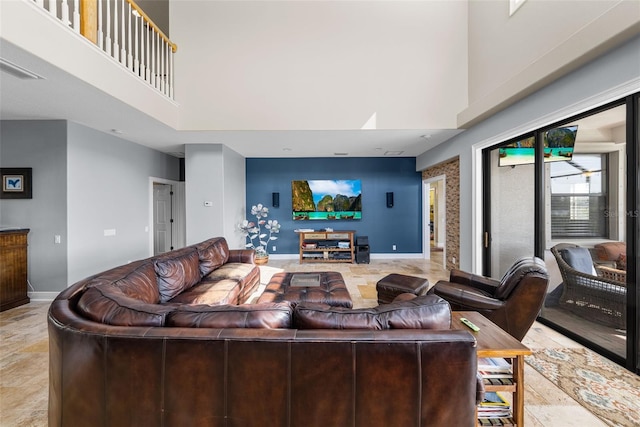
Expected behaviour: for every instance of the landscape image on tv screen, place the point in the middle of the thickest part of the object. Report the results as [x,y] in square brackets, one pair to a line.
[326,199]
[558,146]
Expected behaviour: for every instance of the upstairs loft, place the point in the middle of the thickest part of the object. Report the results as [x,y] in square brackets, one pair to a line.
[108,52]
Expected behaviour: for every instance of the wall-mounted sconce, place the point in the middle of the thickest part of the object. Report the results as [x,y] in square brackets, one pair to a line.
[390,199]
[275,200]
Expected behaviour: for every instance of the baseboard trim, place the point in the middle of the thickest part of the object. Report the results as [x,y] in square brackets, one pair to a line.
[42,296]
[394,255]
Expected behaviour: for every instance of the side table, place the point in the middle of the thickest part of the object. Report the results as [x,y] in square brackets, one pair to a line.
[495,342]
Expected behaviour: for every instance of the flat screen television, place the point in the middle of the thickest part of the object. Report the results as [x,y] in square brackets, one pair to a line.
[326,199]
[558,146]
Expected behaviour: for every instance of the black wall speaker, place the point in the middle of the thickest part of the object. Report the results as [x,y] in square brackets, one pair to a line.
[275,200]
[390,199]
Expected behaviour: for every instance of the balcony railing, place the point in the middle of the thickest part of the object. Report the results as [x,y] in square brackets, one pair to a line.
[123,31]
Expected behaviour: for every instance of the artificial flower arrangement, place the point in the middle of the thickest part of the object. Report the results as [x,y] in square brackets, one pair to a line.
[256,238]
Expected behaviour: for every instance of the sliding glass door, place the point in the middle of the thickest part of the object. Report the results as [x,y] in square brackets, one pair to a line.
[567,190]
[510,199]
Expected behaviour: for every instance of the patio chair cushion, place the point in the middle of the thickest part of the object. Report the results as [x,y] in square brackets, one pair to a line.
[580,259]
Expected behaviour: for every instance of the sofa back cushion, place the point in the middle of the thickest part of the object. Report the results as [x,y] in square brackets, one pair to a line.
[268,315]
[108,304]
[212,254]
[141,284]
[177,271]
[423,312]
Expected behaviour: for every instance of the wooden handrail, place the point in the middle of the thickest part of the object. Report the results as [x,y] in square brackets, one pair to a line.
[174,47]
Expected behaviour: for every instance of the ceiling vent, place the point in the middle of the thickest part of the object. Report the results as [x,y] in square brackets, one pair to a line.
[17,71]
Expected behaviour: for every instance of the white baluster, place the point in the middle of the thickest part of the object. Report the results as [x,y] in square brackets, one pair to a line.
[161,58]
[153,59]
[123,52]
[136,61]
[100,32]
[53,7]
[158,60]
[129,49]
[143,49]
[40,3]
[76,15]
[64,12]
[171,73]
[116,46]
[148,62]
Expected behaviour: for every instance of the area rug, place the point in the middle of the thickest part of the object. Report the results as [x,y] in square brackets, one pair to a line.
[607,390]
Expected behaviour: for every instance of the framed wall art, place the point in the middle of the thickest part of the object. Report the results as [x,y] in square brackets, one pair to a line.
[16,183]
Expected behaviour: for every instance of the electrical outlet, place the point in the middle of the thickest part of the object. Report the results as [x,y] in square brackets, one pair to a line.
[57,239]
[453,260]
[393,247]
[273,248]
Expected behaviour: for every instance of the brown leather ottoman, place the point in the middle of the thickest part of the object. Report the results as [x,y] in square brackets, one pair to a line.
[325,287]
[393,285]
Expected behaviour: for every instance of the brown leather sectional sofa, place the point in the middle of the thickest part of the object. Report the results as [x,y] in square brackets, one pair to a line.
[168,341]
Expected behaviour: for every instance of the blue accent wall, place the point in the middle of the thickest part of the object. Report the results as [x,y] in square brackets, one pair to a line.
[400,225]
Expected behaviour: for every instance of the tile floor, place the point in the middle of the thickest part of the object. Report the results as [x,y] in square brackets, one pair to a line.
[24,349]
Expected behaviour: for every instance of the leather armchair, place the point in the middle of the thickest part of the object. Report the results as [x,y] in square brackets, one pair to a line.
[512,303]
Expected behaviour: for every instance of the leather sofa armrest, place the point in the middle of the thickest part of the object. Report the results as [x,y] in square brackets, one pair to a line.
[467,297]
[486,284]
[245,256]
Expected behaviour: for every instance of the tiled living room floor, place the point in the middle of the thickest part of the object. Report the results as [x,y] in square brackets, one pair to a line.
[24,349]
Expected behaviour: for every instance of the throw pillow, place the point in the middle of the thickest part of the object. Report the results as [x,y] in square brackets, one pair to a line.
[621,262]
[580,259]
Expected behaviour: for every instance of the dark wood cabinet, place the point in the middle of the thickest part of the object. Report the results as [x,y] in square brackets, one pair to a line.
[13,268]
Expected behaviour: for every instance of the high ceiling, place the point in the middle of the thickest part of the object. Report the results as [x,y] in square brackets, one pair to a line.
[61,96]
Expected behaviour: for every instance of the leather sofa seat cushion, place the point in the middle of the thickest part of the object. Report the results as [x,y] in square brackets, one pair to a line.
[210,291]
[212,254]
[176,272]
[268,315]
[247,276]
[423,312]
[110,305]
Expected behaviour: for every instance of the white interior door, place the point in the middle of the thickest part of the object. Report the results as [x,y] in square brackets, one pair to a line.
[162,219]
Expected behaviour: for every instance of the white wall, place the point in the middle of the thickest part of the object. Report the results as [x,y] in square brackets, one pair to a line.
[610,77]
[204,181]
[319,65]
[234,197]
[40,145]
[108,189]
[216,174]
[512,56]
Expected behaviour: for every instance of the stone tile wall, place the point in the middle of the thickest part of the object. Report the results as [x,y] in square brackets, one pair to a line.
[451,171]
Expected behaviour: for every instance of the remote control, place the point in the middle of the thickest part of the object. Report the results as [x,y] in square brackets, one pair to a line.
[469,324]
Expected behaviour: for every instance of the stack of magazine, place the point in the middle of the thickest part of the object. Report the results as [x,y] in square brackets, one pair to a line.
[494,405]
[494,371]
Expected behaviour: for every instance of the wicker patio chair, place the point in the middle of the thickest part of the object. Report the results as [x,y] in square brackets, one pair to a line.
[584,292]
